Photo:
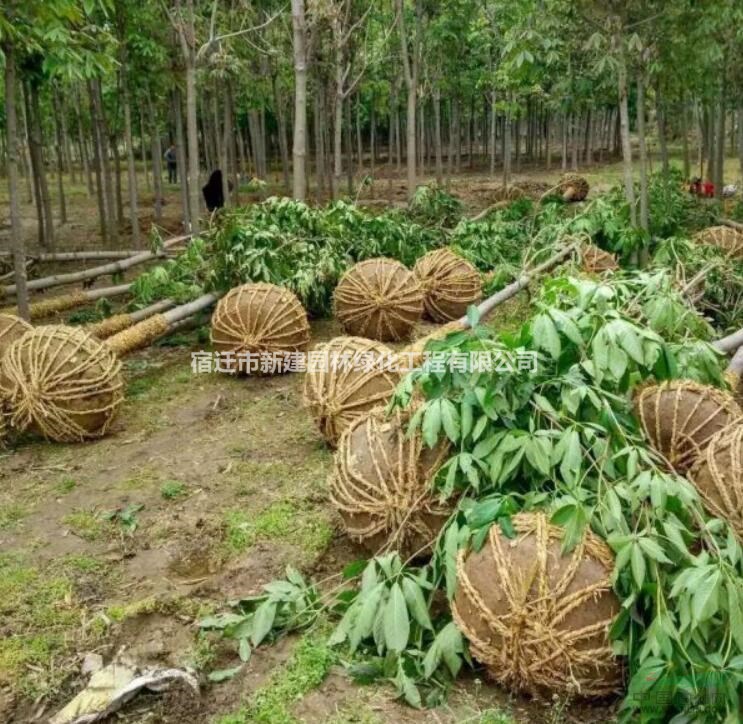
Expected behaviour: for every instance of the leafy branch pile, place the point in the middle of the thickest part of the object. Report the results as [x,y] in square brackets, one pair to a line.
[563,439]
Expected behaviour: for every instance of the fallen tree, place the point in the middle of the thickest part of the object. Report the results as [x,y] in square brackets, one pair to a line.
[65,302]
[116,267]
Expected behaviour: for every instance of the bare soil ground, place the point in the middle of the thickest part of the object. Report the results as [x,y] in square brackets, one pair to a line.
[219,483]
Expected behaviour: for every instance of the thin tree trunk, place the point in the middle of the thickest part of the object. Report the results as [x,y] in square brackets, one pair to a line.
[281,122]
[740,138]
[719,177]
[507,147]
[131,169]
[180,157]
[157,160]
[359,140]
[99,122]
[38,152]
[685,139]
[117,178]
[410,73]
[629,190]
[16,232]
[660,113]
[60,158]
[299,151]
[97,168]
[143,150]
[644,222]
[437,134]
[493,118]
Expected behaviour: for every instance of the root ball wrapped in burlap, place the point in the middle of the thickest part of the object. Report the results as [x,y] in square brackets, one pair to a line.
[728,240]
[718,476]
[450,284]
[539,620]
[381,486]
[61,383]
[680,417]
[4,427]
[596,261]
[573,187]
[11,329]
[379,299]
[346,378]
[256,321]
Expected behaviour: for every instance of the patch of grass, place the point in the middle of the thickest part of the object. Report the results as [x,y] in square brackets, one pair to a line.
[492,716]
[10,515]
[142,478]
[65,486]
[272,703]
[39,615]
[85,525]
[203,654]
[172,489]
[355,712]
[84,564]
[283,520]
[168,606]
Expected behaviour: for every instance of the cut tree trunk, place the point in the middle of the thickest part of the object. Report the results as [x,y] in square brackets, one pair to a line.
[116,267]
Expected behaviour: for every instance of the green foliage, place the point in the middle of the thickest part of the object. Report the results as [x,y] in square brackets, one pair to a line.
[126,517]
[181,279]
[432,206]
[564,438]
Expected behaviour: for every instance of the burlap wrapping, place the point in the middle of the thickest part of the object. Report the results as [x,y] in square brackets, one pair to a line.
[47,307]
[345,379]
[596,261]
[379,299]
[680,417]
[11,329]
[538,620]
[256,319]
[728,240]
[139,336]
[61,383]
[573,187]
[718,476]
[110,326]
[381,486]
[450,284]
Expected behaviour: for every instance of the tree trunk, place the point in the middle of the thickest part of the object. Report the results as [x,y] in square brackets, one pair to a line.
[192,134]
[564,159]
[410,73]
[547,139]
[644,222]
[349,146]
[97,168]
[117,171]
[493,119]
[180,156]
[359,140]
[507,146]
[660,113]
[60,159]
[99,123]
[719,177]
[740,138]
[437,135]
[629,190]
[16,232]
[685,139]
[37,154]
[281,122]
[157,160]
[299,149]
[131,169]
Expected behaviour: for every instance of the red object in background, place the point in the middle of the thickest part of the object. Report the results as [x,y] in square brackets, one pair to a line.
[708,189]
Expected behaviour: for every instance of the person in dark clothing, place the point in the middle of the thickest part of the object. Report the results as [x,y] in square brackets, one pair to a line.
[171,160]
[213,193]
